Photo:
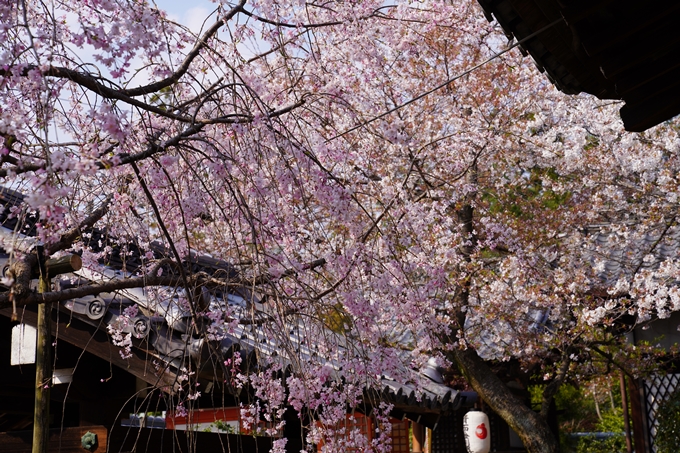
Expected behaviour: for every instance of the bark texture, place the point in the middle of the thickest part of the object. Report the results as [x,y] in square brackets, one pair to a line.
[531,428]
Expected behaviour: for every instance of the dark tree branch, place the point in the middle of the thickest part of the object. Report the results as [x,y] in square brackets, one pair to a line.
[91,83]
[67,239]
[23,270]
[184,67]
[657,242]
[237,118]
[377,13]
[268,278]
[529,426]
[88,290]
[287,25]
[154,148]
[551,389]
[161,223]
[610,359]
[127,95]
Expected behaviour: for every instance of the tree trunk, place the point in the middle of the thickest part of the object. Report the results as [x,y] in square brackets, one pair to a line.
[531,428]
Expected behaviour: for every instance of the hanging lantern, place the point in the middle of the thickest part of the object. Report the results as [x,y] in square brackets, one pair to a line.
[477,435]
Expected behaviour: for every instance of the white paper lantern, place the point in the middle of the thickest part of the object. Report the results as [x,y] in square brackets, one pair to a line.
[477,435]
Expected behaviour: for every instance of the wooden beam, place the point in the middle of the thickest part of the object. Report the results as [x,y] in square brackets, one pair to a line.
[96,342]
[632,23]
[63,265]
[124,439]
[652,111]
[43,365]
[645,74]
[640,51]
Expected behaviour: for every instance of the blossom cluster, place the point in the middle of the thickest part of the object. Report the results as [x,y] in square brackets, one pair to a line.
[378,227]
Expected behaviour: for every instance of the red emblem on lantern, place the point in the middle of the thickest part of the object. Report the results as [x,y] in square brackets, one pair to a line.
[481,431]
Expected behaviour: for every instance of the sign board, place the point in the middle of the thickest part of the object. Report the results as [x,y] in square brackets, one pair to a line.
[62,376]
[23,344]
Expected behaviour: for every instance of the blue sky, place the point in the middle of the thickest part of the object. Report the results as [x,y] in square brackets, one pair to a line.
[193,15]
[189,13]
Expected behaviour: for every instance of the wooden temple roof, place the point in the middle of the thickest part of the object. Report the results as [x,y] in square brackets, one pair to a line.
[164,341]
[625,50]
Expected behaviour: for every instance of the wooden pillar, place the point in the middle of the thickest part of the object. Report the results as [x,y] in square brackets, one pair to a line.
[639,415]
[43,357]
[418,437]
[626,419]
[43,375]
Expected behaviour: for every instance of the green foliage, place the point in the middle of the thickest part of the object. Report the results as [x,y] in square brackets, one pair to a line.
[162,98]
[591,142]
[577,413]
[668,431]
[612,422]
[575,408]
[222,427]
[336,318]
[522,199]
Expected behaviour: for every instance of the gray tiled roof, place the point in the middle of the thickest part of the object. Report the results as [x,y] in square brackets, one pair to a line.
[166,328]
[616,254]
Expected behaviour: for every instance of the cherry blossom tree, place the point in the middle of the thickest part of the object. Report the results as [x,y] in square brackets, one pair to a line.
[357,173]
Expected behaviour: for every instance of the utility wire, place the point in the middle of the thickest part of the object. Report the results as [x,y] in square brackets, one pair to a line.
[439,87]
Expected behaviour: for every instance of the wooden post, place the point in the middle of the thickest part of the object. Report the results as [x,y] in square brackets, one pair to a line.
[43,375]
[638,411]
[43,359]
[626,419]
[418,437]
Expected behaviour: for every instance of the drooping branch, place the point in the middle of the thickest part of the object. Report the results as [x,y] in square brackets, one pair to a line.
[268,278]
[67,239]
[238,118]
[377,13]
[193,53]
[92,83]
[161,223]
[154,148]
[287,25]
[24,268]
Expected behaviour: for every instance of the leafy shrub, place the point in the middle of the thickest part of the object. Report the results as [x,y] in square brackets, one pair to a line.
[668,431]
[612,422]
